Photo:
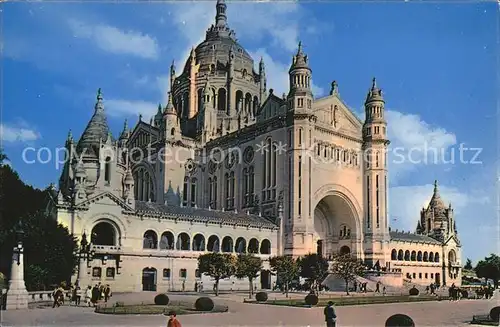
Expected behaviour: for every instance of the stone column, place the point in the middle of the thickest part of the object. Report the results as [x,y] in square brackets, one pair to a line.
[17,295]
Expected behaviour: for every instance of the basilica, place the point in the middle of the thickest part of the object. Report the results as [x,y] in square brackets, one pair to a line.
[229,166]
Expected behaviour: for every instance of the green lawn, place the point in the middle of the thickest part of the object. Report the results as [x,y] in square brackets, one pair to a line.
[146,309]
[360,300]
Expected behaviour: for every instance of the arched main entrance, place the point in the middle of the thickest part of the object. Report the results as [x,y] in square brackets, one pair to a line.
[336,226]
[149,279]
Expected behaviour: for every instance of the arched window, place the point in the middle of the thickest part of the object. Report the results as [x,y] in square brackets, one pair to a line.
[200,99]
[400,255]
[227,189]
[150,240]
[239,100]
[265,246]
[172,131]
[193,192]
[167,241]
[199,242]
[227,244]
[213,244]
[407,255]
[245,187]
[185,192]
[253,246]
[436,257]
[183,242]
[431,256]
[255,106]
[222,100]
[241,245]
[214,202]
[107,170]
[426,256]
[419,256]
[394,254]
[413,256]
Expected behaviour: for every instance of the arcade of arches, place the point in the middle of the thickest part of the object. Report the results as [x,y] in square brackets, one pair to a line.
[334,226]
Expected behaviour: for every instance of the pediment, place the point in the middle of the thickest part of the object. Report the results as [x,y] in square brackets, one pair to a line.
[452,240]
[143,131]
[270,108]
[107,198]
[333,112]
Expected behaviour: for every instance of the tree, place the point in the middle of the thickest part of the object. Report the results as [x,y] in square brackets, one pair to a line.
[314,268]
[489,268]
[468,264]
[286,269]
[3,157]
[348,268]
[218,266]
[249,266]
[48,247]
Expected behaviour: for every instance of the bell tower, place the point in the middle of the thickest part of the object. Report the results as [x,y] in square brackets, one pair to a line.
[299,238]
[375,180]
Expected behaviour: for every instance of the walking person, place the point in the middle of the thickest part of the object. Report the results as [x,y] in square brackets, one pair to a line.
[107,293]
[377,287]
[330,316]
[172,321]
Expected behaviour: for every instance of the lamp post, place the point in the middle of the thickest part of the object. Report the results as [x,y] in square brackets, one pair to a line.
[18,250]
[17,295]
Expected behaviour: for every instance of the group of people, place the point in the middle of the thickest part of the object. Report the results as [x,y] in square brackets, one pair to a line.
[431,289]
[97,293]
[92,294]
[362,287]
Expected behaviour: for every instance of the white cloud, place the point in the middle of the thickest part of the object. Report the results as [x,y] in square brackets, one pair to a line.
[405,203]
[113,40]
[126,108]
[18,133]
[414,142]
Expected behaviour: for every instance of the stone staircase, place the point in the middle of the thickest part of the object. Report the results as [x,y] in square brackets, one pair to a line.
[337,284]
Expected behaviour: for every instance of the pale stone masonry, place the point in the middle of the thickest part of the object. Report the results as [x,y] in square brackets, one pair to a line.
[227,165]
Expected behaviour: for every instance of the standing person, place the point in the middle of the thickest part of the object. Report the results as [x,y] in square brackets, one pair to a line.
[107,293]
[173,322]
[330,316]
[88,295]
[377,287]
[355,286]
[384,291]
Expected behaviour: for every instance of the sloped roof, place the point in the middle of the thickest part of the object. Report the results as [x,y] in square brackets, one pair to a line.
[204,214]
[410,237]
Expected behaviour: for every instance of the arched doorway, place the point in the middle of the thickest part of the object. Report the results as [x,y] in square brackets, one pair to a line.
[336,226]
[103,234]
[265,280]
[344,250]
[149,279]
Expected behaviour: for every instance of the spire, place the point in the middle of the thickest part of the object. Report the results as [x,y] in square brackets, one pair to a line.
[262,67]
[300,60]
[125,130]
[436,201]
[374,94]
[169,109]
[97,129]
[220,17]
[70,137]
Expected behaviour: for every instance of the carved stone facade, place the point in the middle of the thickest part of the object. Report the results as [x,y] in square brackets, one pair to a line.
[227,161]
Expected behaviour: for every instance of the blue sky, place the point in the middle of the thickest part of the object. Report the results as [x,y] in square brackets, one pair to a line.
[435,62]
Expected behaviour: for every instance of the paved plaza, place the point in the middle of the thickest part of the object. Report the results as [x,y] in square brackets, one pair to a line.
[442,313]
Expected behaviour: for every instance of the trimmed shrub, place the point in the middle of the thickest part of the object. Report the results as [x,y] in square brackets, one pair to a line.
[311,299]
[495,314]
[162,299]
[204,304]
[261,297]
[399,320]
[414,291]
[465,294]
